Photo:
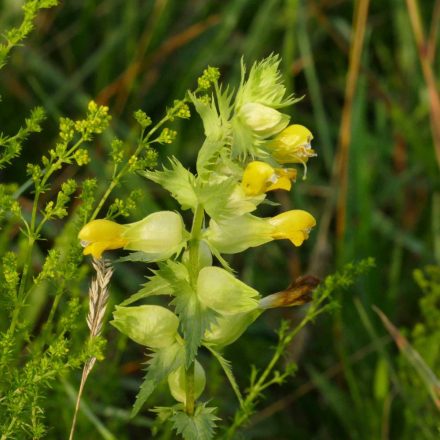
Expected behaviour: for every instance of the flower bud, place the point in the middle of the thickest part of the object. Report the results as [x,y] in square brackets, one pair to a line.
[228,328]
[149,325]
[98,236]
[264,121]
[177,382]
[222,292]
[260,177]
[292,145]
[294,225]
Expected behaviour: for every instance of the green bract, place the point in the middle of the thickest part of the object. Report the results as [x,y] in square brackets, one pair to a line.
[152,326]
[178,181]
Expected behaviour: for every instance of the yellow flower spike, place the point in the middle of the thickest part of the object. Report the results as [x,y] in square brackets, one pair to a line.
[260,177]
[98,236]
[293,225]
[292,145]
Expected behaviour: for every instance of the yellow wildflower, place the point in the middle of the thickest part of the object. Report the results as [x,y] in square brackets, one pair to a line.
[292,145]
[260,177]
[101,235]
[293,225]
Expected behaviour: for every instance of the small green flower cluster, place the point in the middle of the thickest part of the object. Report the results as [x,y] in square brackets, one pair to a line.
[247,143]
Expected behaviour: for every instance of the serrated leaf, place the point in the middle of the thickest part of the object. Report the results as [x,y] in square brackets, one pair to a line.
[227,368]
[175,273]
[155,286]
[217,130]
[200,426]
[194,318]
[160,365]
[178,181]
[215,198]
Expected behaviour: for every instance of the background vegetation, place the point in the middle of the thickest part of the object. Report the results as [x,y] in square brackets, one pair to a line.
[366,74]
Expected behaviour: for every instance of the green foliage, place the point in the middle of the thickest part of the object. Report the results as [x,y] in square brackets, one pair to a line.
[10,147]
[160,365]
[14,36]
[419,381]
[201,425]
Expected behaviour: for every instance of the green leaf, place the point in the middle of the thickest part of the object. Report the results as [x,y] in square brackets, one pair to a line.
[194,318]
[199,426]
[155,286]
[227,368]
[178,181]
[161,364]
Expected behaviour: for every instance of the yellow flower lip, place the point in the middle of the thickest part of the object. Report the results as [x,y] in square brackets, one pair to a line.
[259,178]
[292,145]
[294,225]
[100,235]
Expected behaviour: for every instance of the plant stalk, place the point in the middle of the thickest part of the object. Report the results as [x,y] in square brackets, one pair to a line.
[193,275]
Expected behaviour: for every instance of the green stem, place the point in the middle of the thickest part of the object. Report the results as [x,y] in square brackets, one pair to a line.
[256,389]
[189,388]
[9,429]
[193,274]
[111,187]
[194,245]
[143,141]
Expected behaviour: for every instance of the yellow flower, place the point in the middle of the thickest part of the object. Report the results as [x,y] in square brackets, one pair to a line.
[158,236]
[292,145]
[101,235]
[260,177]
[293,225]
[237,234]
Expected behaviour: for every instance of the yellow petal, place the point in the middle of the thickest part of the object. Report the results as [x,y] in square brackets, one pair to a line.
[256,178]
[292,145]
[101,235]
[96,249]
[294,225]
[260,177]
[284,178]
[100,230]
[281,183]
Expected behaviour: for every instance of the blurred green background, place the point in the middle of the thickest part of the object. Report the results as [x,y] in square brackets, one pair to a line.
[374,189]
